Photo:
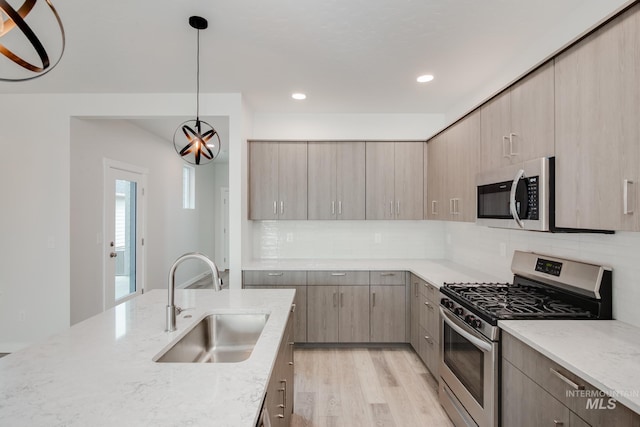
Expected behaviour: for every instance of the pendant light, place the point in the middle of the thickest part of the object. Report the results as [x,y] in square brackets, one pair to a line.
[15,47]
[195,140]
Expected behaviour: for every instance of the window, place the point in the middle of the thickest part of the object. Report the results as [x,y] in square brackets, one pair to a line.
[188,187]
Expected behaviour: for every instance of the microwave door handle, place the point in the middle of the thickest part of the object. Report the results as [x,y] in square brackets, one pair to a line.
[512,199]
[482,345]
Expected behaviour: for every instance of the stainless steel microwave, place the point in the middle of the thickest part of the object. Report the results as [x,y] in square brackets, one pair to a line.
[517,196]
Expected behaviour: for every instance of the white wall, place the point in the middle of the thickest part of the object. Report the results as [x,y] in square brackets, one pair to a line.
[35,176]
[220,181]
[480,248]
[170,230]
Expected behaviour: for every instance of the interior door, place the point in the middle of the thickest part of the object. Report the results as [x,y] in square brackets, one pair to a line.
[124,232]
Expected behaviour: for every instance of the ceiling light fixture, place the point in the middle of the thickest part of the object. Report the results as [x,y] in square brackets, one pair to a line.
[424,78]
[195,140]
[17,47]
[299,96]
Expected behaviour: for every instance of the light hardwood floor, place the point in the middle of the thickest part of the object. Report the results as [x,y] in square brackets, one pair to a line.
[364,387]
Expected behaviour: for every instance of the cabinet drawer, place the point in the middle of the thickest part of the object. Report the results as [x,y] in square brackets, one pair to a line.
[563,385]
[431,292]
[338,278]
[387,277]
[429,317]
[275,277]
[429,351]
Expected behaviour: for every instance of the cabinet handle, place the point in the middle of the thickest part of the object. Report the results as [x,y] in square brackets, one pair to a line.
[374,299]
[338,274]
[333,207]
[457,206]
[511,153]
[334,299]
[387,274]
[415,287]
[558,423]
[391,208]
[281,207]
[505,139]
[628,199]
[293,308]
[451,208]
[275,207]
[284,393]
[341,299]
[398,207]
[340,207]
[275,274]
[566,380]
[434,207]
[429,341]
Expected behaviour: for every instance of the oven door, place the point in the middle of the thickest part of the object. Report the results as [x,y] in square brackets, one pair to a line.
[468,374]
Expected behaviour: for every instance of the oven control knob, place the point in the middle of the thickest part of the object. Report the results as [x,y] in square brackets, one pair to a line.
[476,323]
[469,319]
[458,311]
[447,303]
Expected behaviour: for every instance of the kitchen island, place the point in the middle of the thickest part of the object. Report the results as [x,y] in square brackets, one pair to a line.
[101,372]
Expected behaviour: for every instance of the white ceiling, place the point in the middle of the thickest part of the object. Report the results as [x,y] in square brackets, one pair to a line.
[347,55]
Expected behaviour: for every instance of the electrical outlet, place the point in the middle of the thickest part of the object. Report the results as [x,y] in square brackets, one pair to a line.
[377,238]
[289,237]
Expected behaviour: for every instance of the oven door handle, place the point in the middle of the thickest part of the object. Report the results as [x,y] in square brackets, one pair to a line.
[481,344]
[512,199]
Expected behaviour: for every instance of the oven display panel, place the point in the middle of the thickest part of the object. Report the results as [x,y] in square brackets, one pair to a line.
[549,267]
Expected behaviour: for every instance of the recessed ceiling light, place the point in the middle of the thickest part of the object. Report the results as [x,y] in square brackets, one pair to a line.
[425,78]
[299,96]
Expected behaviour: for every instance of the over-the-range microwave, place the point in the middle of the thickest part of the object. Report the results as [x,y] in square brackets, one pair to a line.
[520,196]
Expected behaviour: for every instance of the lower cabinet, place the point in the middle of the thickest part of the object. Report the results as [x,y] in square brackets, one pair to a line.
[279,398]
[536,391]
[388,308]
[425,323]
[338,314]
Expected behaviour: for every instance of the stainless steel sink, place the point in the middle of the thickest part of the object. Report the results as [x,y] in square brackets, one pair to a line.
[218,338]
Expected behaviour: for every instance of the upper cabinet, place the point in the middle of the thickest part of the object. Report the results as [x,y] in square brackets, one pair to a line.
[336,185]
[277,180]
[598,128]
[518,124]
[452,164]
[394,180]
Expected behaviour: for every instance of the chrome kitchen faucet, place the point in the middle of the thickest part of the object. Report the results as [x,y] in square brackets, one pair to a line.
[172,310]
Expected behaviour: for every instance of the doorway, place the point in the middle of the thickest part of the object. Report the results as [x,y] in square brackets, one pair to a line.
[124,225]
[224,227]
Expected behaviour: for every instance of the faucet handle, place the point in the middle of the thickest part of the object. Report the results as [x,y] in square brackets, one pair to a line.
[178,310]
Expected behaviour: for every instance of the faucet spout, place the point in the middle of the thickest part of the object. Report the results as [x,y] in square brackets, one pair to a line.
[172,310]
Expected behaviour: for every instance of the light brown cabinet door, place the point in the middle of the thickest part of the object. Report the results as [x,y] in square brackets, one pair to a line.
[354,314]
[388,313]
[409,180]
[415,313]
[437,200]
[495,118]
[350,180]
[292,180]
[263,180]
[322,313]
[532,116]
[597,128]
[336,180]
[380,169]
[518,124]
[462,166]
[322,180]
[526,404]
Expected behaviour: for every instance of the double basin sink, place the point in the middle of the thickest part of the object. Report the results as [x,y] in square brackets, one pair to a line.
[218,338]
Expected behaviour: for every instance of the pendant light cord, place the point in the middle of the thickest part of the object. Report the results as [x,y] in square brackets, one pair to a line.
[198,79]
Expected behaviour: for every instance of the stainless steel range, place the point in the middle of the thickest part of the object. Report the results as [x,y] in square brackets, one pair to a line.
[544,287]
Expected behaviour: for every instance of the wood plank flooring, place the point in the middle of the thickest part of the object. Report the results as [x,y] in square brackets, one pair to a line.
[364,387]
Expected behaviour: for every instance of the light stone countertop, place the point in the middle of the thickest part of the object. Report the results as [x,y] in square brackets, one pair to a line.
[605,353]
[101,372]
[434,271]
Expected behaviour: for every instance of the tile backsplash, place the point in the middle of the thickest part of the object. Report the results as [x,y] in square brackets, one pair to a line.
[490,250]
[348,239]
